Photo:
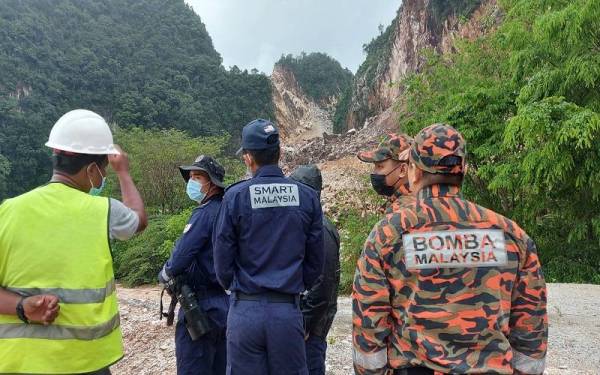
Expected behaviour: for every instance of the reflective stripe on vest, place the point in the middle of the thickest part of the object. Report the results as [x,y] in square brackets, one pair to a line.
[70,295]
[54,240]
[58,332]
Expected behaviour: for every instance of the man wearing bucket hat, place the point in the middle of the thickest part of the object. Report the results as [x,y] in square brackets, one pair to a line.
[268,248]
[54,248]
[390,170]
[192,259]
[445,285]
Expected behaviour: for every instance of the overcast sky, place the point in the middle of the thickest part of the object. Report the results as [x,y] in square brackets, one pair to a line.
[255,33]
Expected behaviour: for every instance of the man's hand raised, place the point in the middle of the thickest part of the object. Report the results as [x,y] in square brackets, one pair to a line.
[119,163]
[131,196]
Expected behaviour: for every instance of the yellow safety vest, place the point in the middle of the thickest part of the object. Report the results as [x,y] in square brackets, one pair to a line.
[54,240]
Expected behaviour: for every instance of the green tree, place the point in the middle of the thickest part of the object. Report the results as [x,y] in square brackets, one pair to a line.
[155,158]
[139,260]
[527,98]
[139,63]
[378,52]
[4,173]
[319,75]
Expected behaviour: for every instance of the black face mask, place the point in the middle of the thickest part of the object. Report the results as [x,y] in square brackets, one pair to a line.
[379,185]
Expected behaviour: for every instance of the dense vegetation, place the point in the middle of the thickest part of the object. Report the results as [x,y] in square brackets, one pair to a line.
[318,74]
[377,53]
[139,260]
[527,98]
[155,156]
[140,63]
[354,229]
[442,9]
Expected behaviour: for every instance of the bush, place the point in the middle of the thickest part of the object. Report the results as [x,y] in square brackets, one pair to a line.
[155,155]
[563,262]
[139,260]
[354,228]
[154,159]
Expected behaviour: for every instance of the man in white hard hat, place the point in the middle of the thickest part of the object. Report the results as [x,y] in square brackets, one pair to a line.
[58,305]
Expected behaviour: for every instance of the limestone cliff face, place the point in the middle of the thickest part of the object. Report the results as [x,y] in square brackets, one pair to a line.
[21,91]
[419,25]
[299,118]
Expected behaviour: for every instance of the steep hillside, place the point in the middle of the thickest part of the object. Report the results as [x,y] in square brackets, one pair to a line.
[520,80]
[527,99]
[367,109]
[144,63]
[400,50]
[306,90]
[298,116]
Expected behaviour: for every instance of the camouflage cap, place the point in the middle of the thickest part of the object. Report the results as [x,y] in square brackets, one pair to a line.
[439,148]
[390,147]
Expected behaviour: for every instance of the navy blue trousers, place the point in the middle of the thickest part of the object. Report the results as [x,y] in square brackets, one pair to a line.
[316,349]
[208,354]
[265,338]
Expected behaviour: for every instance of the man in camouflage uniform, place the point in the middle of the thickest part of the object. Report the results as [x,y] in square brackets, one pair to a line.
[445,285]
[390,170]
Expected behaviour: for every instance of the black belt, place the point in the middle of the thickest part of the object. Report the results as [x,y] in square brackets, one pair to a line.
[210,293]
[273,297]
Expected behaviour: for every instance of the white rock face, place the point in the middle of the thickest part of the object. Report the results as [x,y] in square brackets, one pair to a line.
[21,91]
[416,30]
[299,118]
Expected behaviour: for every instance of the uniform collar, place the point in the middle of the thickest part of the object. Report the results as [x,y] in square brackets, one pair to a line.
[216,197]
[401,192]
[438,191]
[269,171]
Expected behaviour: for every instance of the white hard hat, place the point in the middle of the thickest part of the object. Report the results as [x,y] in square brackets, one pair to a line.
[82,132]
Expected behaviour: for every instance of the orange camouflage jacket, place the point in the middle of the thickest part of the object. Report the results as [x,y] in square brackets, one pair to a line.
[399,199]
[450,285]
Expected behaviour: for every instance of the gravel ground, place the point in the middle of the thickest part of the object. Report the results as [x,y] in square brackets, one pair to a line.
[573,348]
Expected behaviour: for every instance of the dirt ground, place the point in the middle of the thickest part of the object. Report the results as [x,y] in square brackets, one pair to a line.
[573,346]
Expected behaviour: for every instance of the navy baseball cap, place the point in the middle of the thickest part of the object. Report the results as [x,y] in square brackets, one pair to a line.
[259,135]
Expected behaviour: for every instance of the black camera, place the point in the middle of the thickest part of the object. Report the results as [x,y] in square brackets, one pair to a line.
[196,321]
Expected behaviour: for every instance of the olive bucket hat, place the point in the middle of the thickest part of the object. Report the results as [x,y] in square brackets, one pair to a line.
[206,164]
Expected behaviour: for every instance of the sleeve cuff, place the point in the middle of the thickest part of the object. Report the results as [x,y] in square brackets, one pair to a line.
[528,365]
[163,276]
[370,361]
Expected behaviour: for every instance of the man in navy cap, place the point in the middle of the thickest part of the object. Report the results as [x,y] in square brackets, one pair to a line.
[192,262]
[268,248]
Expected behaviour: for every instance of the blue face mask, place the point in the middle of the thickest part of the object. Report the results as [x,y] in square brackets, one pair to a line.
[194,190]
[95,191]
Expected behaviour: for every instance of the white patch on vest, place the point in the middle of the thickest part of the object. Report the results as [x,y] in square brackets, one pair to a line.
[450,249]
[187,228]
[274,195]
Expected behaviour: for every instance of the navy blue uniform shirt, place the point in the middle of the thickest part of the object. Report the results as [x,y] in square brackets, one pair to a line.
[193,254]
[269,235]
